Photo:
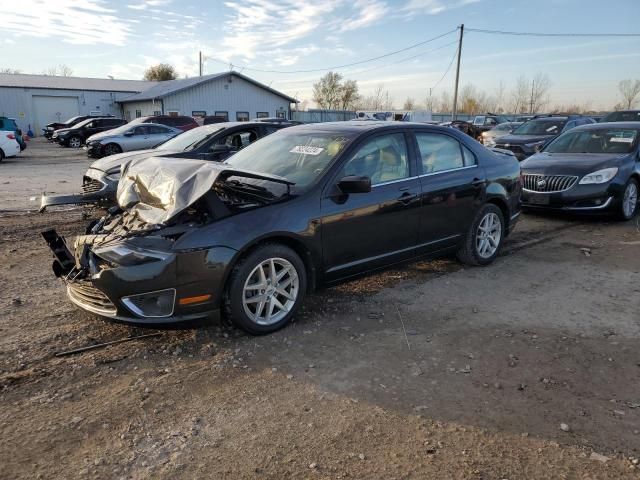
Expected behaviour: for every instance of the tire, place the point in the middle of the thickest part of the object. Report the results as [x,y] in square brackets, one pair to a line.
[473,252]
[111,149]
[74,142]
[629,206]
[1,155]
[243,312]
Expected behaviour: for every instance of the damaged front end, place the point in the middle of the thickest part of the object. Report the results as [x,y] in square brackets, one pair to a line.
[98,188]
[128,265]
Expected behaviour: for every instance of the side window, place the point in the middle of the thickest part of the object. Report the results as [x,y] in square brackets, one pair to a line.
[469,157]
[239,140]
[382,159]
[156,129]
[439,152]
[490,121]
[90,125]
[242,116]
[141,130]
[269,129]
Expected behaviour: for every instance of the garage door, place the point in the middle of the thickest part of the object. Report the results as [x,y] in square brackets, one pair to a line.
[49,109]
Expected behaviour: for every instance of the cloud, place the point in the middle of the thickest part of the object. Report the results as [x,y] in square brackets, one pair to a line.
[80,22]
[434,7]
[148,3]
[369,13]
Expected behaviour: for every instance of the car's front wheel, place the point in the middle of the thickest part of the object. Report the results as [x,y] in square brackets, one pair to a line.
[484,238]
[75,142]
[629,205]
[111,149]
[265,289]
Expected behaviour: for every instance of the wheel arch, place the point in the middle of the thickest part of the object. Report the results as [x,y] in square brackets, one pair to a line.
[501,203]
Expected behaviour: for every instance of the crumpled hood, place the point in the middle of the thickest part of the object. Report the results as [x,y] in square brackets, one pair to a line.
[102,135]
[569,163]
[113,162]
[157,189]
[522,139]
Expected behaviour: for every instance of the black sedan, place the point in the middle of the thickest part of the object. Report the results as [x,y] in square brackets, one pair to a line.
[211,142]
[592,168]
[310,205]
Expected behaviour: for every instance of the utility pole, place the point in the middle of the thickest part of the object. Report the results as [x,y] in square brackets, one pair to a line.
[455,94]
[533,83]
[200,62]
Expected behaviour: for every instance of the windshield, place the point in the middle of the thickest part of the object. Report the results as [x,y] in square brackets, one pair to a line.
[540,127]
[632,116]
[189,140]
[503,127]
[72,119]
[300,157]
[606,140]
[120,130]
[83,123]
[479,120]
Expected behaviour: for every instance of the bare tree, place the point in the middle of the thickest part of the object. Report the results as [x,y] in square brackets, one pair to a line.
[409,104]
[378,100]
[498,104]
[12,71]
[519,95]
[331,93]
[349,95]
[65,70]
[540,86]
[630,90]
[445,105]
[430,102]
[472,101]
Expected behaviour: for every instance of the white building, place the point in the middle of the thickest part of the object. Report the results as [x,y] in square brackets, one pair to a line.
[36,100]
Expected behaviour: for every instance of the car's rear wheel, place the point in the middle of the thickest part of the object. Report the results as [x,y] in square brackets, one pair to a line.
[75,142]
[484,238]
[629,204]
[265,289]
[1,155]
[111,149]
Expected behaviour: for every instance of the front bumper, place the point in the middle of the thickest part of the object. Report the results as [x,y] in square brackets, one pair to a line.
[94,149]
[579,198]
[103,289]
[96,188]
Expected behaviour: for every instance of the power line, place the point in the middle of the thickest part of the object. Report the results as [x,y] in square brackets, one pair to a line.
[337,67]
[542,34]
[447,70]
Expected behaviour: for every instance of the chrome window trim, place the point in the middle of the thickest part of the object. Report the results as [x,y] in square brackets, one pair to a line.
[393,181]
[447,171]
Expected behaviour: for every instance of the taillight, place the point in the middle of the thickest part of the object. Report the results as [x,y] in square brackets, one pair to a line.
[11,136]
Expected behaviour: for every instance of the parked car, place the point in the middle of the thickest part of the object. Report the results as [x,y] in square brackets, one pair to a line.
[593,168]
[49,128]
[465,127]
[209,142]
[489,137]
[77,135]
[486,122]
[283,121]
[182,122]
[310,205]
[9,145]
[127,138]
[531,136]
[622,116]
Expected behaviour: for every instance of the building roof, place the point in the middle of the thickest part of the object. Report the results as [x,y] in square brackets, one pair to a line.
[20,80]
[169,87]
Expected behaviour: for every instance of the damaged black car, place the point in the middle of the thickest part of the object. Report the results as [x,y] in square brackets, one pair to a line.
[307,206]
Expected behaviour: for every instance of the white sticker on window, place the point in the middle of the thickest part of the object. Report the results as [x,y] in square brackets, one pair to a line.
[551,129]
[621,140]
[306,150]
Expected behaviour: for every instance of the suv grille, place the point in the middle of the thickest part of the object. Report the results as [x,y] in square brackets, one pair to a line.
[89,297]
[548,183]
[90,185]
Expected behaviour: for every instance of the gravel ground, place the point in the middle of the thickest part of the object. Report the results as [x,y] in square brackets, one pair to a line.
[528,368]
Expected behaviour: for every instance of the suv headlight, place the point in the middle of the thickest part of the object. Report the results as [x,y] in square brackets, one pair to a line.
[122,254]
[600,176]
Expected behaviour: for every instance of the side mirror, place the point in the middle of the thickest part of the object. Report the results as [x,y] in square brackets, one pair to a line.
[355,184]
[537,148]
[220,149]
[129,133]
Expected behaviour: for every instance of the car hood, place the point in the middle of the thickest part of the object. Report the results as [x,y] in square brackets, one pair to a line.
[62,131]
[114,162]
[101,136]
[570,163]
[522,139]
[156,189]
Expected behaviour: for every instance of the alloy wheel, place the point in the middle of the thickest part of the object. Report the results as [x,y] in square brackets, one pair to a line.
[74,142]
[488,235]
[630,200]
[270,291]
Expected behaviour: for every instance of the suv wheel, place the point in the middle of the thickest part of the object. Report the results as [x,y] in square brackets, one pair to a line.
[629,205]
[484,238]
[75,142]
[265,289]
[111,149]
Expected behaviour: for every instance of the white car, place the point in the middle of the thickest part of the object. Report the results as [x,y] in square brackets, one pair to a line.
[9,146]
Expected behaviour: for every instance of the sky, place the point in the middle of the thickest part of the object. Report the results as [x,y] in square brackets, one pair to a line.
[121,38]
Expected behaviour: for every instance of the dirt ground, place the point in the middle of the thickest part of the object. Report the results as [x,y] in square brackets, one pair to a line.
[526,369]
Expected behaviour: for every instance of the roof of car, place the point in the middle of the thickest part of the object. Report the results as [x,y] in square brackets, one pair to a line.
[598,126]
[353,125]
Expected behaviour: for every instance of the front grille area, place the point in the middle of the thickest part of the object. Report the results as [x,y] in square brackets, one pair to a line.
[517,149]
[90,185]
[548,183]
[89,297]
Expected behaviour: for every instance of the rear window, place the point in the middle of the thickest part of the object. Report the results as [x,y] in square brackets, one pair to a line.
[631,116]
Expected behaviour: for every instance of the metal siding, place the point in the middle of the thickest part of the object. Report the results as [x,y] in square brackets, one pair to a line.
[14,101]
[240,96]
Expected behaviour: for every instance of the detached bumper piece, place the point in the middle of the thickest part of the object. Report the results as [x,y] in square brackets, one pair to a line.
[53,200]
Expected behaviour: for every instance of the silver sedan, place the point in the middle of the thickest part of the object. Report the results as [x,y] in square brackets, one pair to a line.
[129,137]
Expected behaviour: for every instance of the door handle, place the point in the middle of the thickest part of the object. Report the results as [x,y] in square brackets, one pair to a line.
[407,198]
